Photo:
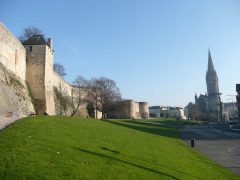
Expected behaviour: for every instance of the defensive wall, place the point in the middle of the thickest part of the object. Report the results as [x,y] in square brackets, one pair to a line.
[28,80]
[59,82]
[129,109]
[14,95]
[40,76]
[12,53]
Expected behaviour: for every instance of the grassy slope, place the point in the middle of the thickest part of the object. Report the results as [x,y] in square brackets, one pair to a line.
[64,148]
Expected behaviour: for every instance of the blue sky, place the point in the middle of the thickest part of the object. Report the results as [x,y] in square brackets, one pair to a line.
[156,50]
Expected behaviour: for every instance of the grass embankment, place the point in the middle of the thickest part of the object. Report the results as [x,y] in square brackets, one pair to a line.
[65,148]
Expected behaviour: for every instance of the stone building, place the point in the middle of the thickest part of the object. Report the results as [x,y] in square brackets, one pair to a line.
[27,79]
[129,109]
[230,111]
[39,73]
[155,111]
[208,106]
[166,111]
[189,111]
[201,106]
[30,66]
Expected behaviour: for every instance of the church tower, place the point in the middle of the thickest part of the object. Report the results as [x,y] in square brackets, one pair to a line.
[212,89]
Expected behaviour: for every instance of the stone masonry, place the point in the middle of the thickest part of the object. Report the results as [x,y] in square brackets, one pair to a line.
[31,64]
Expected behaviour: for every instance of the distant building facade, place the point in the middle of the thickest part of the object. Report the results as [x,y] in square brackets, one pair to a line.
[230,111]
[166,111]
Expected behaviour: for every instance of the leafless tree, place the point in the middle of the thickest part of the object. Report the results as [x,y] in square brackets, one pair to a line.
[103,93]
[59,69]
[29,32]
[93,94]
[109,95]
[78,93]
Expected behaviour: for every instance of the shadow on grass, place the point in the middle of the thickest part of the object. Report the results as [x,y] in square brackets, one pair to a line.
[162,124]
[110,150]
[166,121]
[151,161]
[148,128]
[173,122]
[126,162]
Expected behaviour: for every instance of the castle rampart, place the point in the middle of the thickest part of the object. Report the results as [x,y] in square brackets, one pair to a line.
[58,81]
[14,94]
[129,109]
[32,64]
[12,53]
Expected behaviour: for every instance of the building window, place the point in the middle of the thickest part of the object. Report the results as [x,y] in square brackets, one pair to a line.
[30,48]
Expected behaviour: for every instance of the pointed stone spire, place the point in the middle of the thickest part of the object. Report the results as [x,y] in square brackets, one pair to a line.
[210,63]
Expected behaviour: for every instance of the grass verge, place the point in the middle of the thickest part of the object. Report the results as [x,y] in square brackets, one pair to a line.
[76,148]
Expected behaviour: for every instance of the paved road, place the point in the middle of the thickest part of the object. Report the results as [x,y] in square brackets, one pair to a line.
[223,148]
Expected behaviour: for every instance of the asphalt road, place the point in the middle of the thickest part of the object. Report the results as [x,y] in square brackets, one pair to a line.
[222,147]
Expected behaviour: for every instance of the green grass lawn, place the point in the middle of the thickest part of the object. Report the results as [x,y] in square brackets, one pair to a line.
[77,148]
[182,122]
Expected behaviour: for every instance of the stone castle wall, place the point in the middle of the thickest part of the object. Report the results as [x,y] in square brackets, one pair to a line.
[129,109]
[12,53]
[14,95]
[50,104]
[35,75]
[32,67]
[58,81]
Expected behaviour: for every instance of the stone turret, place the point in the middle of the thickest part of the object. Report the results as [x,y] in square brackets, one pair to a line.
[39,74]
[144,110]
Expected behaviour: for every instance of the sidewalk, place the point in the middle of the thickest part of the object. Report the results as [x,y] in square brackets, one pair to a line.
[221,147]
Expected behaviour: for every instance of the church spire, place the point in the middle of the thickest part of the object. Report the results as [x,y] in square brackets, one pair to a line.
[210,63]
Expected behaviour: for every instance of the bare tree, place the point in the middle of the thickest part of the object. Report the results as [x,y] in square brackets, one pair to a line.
[30,32]
[59,69]
[90,109]
[103,93]
[109,95]
[93,94]
[78,93]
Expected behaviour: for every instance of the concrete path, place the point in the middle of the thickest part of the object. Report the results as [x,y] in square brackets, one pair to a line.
[223,148]
[5,121]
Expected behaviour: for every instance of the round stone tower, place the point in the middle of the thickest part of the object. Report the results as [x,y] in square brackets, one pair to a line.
[131,106]
[144,110]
